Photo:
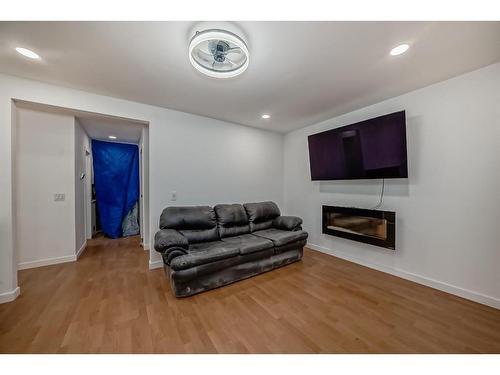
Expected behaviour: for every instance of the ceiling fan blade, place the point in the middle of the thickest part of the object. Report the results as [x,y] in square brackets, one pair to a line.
[234,50]
[204,55]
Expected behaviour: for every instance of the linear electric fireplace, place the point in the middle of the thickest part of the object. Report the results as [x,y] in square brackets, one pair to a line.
[369,226]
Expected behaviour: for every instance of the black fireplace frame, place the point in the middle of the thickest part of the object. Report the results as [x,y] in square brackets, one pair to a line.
[390,216]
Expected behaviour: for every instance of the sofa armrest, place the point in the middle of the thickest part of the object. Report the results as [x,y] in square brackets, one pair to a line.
[171,253]
[291,223]
[166,239]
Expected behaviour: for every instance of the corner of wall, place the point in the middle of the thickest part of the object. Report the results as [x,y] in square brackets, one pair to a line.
[13,192]
[10,296]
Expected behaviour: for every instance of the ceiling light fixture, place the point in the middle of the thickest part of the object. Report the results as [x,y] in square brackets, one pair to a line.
[27,53]
[111,137]
[398,50]
[218,53]
[266,116]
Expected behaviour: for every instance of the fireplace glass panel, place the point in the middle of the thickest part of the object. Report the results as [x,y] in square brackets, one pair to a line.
[374,227]
[360,225]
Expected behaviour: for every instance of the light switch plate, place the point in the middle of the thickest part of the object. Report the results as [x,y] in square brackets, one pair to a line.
[59,197]
[174,196]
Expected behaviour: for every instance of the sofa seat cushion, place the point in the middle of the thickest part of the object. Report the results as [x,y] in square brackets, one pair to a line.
[281,237]
[248,243]
[202,253]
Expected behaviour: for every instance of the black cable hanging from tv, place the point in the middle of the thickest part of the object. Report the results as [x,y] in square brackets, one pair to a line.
[379,204]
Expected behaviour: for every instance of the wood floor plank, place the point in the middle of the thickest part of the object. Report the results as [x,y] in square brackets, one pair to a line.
[109,302]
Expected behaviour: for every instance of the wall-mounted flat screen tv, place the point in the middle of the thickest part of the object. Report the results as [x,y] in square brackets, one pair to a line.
[374,148]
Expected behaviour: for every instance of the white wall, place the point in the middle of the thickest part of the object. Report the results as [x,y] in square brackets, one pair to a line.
[82,203]
[206,161]
[45,229]
[448,210]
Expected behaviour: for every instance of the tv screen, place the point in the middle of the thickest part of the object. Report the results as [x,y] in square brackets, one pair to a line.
[374,148]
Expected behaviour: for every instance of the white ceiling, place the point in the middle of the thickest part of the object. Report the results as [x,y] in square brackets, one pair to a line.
[299,72]
[102,127]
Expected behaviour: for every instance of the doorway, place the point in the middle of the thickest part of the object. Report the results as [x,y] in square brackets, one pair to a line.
[54,178]
[116,188]
[117,160]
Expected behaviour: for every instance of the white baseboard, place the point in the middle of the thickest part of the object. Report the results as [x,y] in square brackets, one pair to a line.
[156,264]
[436,284]
[145,246]
[10,296]
[46,262]
[81,250]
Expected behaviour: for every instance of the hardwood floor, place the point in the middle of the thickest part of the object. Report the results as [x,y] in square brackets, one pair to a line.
[109,302]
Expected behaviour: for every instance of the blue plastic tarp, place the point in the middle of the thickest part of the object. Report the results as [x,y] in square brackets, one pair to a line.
[116,179]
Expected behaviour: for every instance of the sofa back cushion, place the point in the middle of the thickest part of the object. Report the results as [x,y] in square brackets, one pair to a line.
[197,223]
[232,220]
[261,215]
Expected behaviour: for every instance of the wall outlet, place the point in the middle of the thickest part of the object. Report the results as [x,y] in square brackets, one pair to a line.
[174,196]
[59,197]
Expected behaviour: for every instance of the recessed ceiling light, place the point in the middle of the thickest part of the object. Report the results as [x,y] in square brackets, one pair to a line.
[111,137]
[398,50]
[28,53]
[266,116]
